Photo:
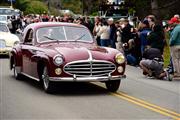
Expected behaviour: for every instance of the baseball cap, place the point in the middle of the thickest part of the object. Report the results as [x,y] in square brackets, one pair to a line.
[173,20]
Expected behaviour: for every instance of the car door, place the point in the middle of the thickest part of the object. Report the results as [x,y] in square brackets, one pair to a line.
[28,50]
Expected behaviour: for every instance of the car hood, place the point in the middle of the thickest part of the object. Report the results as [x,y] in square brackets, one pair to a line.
[9,38]
[5,22]
[75,52]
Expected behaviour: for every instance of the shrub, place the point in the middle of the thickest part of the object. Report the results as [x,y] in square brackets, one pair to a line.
[35,7]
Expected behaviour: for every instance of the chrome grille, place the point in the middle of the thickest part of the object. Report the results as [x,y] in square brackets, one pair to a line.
[89,68]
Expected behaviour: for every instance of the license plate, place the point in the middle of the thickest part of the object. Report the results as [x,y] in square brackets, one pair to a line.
[2,44]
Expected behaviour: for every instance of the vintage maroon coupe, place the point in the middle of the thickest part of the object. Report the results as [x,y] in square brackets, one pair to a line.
[65,52]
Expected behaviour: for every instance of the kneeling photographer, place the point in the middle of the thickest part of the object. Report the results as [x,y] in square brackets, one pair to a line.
[152,64]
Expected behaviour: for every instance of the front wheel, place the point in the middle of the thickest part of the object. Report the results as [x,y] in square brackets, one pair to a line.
[47,85]
[16,74]
[113,86]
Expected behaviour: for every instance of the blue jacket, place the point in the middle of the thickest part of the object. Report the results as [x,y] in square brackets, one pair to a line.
[175,36]
[143,36]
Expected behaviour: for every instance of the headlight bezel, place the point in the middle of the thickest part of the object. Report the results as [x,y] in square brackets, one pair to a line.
[16,43]
[58,60]
[120,58]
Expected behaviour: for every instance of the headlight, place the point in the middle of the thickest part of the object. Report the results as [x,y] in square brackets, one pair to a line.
[58,60]
[120,58]
[16,43]
[58,71]
[2,43]
[120,69]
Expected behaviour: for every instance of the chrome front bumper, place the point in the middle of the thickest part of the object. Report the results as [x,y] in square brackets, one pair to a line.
[86,79]
[5,51]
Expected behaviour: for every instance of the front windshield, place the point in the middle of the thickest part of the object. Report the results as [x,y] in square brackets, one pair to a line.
[6,11]
[63,33]
[3,28]
[3,18]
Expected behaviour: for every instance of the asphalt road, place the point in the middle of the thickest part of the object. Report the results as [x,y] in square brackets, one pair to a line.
[137,98]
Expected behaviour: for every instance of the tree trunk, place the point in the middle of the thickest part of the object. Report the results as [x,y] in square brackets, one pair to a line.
[155,10]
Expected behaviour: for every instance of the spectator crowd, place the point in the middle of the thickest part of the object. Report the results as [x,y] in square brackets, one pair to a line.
[142,41]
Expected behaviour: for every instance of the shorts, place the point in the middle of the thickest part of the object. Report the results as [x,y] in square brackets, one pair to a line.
[154,66]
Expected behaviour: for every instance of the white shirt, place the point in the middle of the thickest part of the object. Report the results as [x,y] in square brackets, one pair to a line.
[104,32]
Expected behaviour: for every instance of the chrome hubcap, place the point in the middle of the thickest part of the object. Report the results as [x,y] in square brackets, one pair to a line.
[15,71]
[45,78]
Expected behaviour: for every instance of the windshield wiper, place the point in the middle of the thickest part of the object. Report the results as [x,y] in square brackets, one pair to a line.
[51,38]
[80,37]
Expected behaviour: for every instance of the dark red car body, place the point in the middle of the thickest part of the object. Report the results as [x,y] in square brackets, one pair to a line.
[29,58]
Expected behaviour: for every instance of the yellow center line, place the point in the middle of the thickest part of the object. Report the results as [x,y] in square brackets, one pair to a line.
[149,104]
[145,104]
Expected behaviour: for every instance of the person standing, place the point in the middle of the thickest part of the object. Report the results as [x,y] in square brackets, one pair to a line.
[144,32]
[113,29]
[96,29]
[175,46]
[104,34]
[156,38]
[127,30]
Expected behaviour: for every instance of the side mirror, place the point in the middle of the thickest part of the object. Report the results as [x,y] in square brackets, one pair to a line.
[19,31]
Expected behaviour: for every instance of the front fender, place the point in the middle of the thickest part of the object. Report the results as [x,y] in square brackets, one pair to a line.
[15,57]
[40,57]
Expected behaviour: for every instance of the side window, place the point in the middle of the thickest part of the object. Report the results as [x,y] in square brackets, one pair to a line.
[29,37]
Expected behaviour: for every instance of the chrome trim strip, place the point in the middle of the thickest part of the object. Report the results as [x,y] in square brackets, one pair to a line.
[84,65]
[102,68]
[77,69]
[86,79]
[90,59]
[30,76]
[102,71]
[90,55]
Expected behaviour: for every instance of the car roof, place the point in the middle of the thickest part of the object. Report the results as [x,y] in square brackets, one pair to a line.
[49,24]
[4,15]
[6,8]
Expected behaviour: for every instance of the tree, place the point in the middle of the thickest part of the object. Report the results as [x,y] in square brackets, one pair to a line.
[21,4]
[36,7]
[162,9]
